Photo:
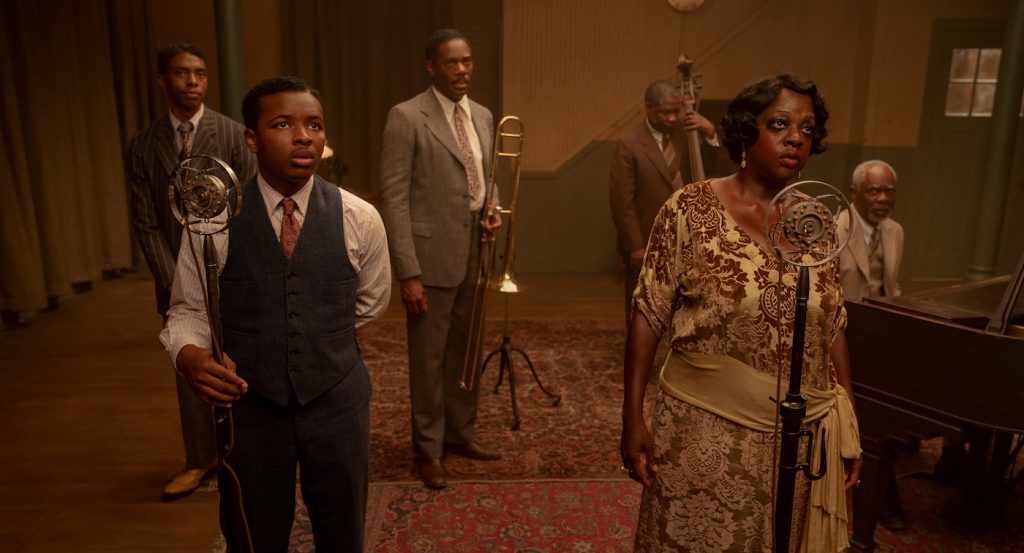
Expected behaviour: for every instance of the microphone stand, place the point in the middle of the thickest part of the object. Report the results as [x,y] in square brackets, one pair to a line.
[201,190]
[792,411]
[805,223]
[233,522]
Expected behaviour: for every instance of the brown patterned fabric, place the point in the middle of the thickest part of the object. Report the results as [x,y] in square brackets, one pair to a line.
[716,291]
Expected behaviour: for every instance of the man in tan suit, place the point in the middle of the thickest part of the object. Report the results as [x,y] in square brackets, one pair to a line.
[870,265]
[649,164]
[435,166]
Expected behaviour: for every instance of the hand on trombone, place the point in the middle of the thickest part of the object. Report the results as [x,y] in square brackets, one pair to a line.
[492,220]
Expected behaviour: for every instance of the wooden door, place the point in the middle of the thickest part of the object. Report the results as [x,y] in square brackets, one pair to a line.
[950,161]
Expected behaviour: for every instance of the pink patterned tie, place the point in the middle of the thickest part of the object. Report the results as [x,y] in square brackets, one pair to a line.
[670,156]
[467,152]
[289,227]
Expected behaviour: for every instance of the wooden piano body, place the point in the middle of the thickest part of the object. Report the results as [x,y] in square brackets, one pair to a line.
[945,362]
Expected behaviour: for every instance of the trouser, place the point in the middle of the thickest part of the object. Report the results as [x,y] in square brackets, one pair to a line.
[329,440]
[197,428]
[442,412]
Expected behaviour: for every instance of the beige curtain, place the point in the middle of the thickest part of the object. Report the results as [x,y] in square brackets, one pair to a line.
[62,127]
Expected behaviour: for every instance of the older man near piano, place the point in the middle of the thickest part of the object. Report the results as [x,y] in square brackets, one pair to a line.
[650,162]
[870,265]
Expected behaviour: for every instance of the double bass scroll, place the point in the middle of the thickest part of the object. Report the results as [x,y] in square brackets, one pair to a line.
[688,92]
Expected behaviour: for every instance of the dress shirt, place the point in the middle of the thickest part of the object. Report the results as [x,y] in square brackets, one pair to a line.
[869,229]
[365,242]
[175,123]
[659,137]
[448,107]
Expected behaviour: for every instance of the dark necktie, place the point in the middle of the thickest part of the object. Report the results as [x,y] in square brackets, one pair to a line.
[289,227]
[875,240]
[467,152]
[185,130]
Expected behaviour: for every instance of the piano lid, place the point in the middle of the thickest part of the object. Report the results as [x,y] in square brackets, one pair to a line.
[993,304]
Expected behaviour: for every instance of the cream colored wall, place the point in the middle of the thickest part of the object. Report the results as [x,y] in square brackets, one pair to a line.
[899,62]
[575,70]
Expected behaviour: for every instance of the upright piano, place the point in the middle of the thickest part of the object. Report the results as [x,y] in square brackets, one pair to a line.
[946,362]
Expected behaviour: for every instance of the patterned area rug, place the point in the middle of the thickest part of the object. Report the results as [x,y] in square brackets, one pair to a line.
[557,487]
[580,360]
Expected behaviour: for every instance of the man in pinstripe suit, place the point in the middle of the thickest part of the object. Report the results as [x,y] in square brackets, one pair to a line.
[188,129]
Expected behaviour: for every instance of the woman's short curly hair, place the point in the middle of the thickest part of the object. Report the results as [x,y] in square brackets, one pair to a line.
[739,126]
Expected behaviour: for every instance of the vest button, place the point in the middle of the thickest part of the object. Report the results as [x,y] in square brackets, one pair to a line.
[294,370]
[293,315]
[292,275]
[293,332]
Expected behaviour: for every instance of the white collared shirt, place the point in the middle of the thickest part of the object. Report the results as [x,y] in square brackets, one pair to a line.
[365,243]
[175,123]
[869,229]
[448,107]
[659,137]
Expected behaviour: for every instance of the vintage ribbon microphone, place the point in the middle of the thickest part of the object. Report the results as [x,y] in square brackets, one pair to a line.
[205,198]
[800,226]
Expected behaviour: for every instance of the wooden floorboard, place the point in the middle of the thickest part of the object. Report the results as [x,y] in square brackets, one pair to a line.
[90,423]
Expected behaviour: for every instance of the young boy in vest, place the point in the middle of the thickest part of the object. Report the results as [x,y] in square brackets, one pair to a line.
[303,265]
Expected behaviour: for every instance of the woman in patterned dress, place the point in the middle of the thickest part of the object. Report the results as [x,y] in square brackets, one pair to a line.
[709,279]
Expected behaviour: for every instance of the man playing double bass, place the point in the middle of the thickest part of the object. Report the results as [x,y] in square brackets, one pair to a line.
[649,164]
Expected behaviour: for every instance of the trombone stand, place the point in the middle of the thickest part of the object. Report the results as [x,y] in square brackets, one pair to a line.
[505,364]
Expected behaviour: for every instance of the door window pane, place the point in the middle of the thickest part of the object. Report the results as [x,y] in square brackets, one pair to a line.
[958,99]
[988,68]
[964,66]
[984,93]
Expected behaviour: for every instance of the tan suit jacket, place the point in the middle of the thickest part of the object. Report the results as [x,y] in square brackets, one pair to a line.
[853,261]
[425,192]
[640,182]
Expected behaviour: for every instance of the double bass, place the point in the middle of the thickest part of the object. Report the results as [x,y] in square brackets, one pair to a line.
[688,91]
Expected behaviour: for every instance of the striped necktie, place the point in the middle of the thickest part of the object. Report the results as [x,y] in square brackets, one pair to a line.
[185,129]
[670,157]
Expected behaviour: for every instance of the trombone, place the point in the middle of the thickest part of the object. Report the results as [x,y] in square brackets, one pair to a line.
[508,144]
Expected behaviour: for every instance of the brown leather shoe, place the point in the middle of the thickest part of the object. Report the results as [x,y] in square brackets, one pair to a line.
[187,481]
[432,473]
[472,450]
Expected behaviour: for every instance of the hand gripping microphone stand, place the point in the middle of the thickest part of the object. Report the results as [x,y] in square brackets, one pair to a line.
[800,226]
[205,198]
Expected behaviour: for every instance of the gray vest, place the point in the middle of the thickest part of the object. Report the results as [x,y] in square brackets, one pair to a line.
[289,325]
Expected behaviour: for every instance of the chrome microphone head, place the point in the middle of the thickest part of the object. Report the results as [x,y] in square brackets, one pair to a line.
[204,194]
[800,223]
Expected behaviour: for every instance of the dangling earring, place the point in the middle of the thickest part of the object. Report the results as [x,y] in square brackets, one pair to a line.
[743,160]
[799,175]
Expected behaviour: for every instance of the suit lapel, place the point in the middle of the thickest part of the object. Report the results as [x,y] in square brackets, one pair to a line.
[858,247]
[206,135]
[650,147]
[166,149]
[437,123]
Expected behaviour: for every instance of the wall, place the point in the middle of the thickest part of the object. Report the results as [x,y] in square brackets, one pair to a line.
[575,73]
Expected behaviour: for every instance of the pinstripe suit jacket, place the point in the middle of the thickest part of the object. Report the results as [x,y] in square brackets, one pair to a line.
[150,160]
[424,190]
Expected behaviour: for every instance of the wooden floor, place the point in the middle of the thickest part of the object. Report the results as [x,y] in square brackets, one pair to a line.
[89,430]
